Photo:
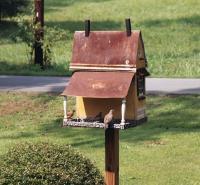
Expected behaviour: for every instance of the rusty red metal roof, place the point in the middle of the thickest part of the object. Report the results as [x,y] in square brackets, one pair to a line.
[105,49]
[99,84]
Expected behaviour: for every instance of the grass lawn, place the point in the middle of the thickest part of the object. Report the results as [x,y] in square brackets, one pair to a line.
[170,31]
[165,151]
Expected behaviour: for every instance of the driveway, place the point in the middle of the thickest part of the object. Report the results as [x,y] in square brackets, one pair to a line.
[57,84]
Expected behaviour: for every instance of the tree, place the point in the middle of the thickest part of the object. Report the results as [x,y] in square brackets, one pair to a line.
[10,8]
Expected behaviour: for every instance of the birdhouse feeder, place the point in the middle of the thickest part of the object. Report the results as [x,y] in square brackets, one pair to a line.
[109,70]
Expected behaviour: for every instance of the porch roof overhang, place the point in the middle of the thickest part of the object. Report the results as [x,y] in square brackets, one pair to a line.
[99,84]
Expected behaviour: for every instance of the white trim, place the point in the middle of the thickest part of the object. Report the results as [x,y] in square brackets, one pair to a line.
[104,65]
[104,68]
[123,111]
[65,107]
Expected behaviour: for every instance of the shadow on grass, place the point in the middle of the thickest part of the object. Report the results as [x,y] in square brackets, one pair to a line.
[193,21]
[76,136]
[62,3]
[7,30]
[8,68]
[166,114]
[52,5]
[173,114]
[73,26]
[19,135]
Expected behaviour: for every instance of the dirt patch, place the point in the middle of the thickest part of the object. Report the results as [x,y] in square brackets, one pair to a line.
[155,143]
[13,103]
[12,107]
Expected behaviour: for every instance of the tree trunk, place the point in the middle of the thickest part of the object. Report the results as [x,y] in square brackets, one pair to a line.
[39,33]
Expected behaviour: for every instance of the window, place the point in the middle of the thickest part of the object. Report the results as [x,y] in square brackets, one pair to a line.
[141,86]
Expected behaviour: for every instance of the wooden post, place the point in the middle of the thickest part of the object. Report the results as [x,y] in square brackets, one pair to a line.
[112,156]
[39,33]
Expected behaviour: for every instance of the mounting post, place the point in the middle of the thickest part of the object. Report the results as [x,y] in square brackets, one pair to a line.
[112,156]
[87,28]
[128,27]
[39,33]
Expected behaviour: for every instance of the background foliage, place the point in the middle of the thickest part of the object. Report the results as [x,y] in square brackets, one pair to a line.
[170,32]
[26,34]
[9,8]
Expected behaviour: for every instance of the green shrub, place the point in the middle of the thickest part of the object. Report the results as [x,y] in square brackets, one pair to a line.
[26,33]
[45,163]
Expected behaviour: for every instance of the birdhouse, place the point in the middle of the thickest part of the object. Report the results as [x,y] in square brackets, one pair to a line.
[109,70]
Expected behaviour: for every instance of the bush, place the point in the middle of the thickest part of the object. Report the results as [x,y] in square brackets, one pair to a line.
[26,33]
[45,163]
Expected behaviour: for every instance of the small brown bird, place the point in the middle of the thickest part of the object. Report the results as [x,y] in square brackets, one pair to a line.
[98,117]
[108,118]
[70,114]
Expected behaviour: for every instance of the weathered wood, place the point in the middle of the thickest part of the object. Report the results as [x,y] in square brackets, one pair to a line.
[112,156]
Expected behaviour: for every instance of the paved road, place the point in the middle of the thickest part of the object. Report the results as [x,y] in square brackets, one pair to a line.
[173,86]
[57,84]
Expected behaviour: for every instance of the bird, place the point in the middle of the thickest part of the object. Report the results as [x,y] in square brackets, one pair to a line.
[70,114]
[98,117]
[108,118]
